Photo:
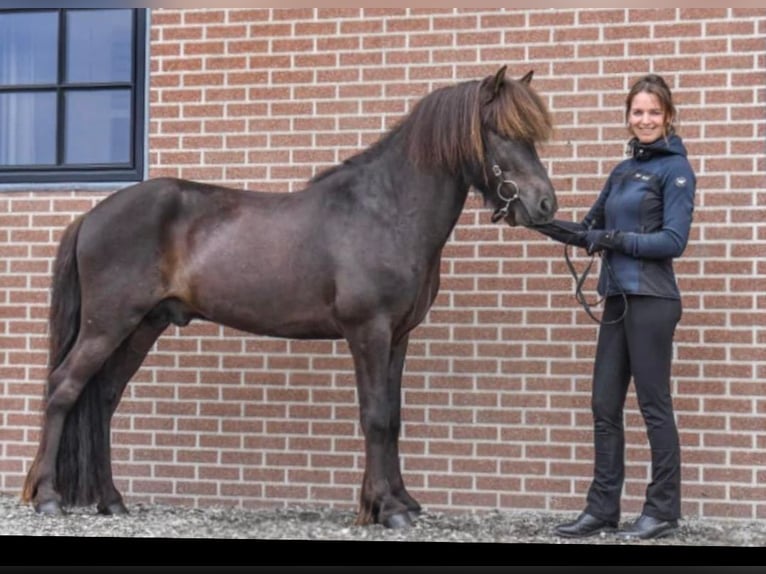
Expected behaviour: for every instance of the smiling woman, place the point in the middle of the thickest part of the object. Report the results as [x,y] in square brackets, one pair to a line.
[71,95]
[641,221]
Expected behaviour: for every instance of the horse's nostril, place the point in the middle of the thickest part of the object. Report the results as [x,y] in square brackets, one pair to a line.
[545,205]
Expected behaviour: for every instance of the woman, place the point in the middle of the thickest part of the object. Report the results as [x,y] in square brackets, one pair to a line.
[641,222]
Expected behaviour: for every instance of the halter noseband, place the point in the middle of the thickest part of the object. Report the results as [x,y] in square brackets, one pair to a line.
[502,211]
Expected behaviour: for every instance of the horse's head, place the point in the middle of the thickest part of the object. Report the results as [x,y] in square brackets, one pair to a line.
[515,182]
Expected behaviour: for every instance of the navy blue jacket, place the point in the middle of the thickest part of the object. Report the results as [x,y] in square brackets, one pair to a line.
[649,199]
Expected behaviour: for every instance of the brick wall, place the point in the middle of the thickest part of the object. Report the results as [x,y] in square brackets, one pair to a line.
[496,391]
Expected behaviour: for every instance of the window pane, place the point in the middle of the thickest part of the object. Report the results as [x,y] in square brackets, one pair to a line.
[29,128]
[99,45]
[97,126]
[28,48]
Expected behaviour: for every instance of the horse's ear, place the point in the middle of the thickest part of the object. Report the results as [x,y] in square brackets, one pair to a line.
[528,77]
[497,84]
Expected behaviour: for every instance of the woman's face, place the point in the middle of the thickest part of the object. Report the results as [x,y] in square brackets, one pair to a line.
[646,118]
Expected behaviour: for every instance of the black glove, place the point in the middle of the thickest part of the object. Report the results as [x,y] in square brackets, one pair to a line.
[599,239]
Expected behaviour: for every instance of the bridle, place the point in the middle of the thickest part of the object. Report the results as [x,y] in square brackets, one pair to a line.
[505,200]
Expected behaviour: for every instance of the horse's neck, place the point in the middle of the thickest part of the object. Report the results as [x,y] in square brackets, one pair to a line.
[428,202]
[446,206]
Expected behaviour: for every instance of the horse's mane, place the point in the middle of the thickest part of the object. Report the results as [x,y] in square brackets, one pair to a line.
[445,127]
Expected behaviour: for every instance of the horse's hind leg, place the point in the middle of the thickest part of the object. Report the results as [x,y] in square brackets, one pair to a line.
[114,377]
[68,381]
[392,461]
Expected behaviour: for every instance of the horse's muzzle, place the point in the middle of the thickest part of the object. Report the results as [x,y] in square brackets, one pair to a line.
[528,211]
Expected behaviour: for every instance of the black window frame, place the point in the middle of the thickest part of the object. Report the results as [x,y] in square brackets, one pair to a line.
[131,171]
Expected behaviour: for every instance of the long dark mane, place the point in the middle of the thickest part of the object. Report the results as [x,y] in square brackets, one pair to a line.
[445,127]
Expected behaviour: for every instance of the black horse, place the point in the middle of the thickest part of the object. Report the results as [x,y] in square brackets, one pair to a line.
[354,255]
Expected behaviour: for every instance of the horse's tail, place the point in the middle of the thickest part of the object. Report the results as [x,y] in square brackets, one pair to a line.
[86,425]
[64,314]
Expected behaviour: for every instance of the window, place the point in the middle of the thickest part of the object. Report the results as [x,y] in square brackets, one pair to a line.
[72,95]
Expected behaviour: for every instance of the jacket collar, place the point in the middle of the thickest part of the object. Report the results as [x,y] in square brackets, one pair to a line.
[671,145]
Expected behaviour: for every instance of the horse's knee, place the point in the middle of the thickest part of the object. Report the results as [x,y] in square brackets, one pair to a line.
[375,423]
[380,416]
[63,398]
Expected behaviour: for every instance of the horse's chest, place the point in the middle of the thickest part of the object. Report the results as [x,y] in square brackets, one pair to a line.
[423,296]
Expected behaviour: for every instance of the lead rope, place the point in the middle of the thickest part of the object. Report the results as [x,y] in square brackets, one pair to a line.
[580,282]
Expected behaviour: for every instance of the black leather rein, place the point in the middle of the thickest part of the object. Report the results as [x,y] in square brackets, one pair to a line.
[580,282]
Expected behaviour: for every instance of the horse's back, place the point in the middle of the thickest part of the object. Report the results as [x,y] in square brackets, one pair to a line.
[153,210]
[160,193]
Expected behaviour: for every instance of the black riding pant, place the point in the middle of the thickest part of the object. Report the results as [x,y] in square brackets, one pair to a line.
[640,346]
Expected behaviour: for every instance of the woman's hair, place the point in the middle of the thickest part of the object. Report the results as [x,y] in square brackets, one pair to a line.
[654,84]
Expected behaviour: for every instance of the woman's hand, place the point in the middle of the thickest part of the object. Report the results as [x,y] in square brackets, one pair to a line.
[599,239]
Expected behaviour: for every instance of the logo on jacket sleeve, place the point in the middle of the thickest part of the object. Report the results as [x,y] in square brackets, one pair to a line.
[680,181]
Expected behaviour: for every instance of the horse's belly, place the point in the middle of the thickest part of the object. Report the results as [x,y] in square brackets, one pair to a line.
[268,308]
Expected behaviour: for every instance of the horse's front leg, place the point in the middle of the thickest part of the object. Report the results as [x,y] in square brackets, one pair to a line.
[370,346]
[393,466]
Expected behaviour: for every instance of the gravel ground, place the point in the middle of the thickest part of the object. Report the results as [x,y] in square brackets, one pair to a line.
[303,523]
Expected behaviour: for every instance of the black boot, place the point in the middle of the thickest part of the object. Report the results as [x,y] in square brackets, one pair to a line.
[646,527]
[585,525]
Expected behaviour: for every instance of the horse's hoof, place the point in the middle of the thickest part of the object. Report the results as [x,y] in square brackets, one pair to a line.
[113,509]
[413,513]
[400,520]
[49,508]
